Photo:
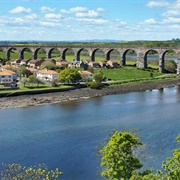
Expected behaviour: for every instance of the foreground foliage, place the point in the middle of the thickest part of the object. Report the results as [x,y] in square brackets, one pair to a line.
[37,172]
[119,162]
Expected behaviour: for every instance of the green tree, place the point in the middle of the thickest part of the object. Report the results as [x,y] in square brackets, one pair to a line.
[24,81]
[37,172]
[48,65]
[172,164]
[117,158]
[98,77]
[120,163]
[23,71]
[34,79]
[69,76]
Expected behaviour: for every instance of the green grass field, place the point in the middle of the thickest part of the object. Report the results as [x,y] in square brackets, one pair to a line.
[128,73]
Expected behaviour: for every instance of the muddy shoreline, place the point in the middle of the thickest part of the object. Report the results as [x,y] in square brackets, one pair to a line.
[85,93]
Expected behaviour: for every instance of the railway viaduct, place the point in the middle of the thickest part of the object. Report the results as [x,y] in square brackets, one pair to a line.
[141,52]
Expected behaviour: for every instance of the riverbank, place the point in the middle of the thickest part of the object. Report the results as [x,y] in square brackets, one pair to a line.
[85,93]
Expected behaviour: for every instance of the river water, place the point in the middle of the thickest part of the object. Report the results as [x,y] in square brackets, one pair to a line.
[66,135]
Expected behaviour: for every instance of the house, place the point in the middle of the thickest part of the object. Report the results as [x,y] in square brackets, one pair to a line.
[7,77]
[94,64]
[5,67]
[24,62]
[47,75]
[113,64]
[15,62]
[62,63]
[35,63]
[102,64]
[86,75]
[33,71]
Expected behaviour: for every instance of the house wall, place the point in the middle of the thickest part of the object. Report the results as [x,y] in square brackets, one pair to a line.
[6,78]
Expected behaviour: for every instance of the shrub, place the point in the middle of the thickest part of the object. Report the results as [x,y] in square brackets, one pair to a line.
[95,85]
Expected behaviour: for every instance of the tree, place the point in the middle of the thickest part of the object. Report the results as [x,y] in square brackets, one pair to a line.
[34,79]
[48,65]
[98,77]
[119,161]
[172,164]
[24,81]
[117,158]
[37,172]
[69,76]
[23,71]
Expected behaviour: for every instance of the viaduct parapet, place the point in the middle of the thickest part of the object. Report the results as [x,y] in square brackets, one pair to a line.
[141,53]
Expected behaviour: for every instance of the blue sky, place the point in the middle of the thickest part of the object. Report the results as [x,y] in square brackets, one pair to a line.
[63,20]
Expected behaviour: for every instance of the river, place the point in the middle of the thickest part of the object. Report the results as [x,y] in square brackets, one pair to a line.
[66,135]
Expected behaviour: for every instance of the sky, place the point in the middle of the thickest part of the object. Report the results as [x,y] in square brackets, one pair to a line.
[76,20]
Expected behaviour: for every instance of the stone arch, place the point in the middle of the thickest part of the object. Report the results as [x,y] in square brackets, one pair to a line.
[22,52]
[37,51]
[9,51]
[63,55]
[109,52]
[166,64]
[94,52]
[124,58]
[78,55]
[149,56]
[50,52]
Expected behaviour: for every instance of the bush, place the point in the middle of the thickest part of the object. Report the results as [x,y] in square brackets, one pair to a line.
[170,66]
[95,85]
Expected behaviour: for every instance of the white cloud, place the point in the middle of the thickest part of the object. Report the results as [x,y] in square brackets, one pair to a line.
[18,20]
[100,10]
[172,13]
[53,16]
[49,24]
[150,21]
[90,13]
[74,10]
[171,20]
[120,22]
[47,9]
[92,21]
[152,4]
[32,16]
[176,26]
[64,11]
[20,9]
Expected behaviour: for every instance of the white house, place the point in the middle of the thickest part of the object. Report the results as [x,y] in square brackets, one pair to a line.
[33,71]
[7,76]
[48,75]
[86,75]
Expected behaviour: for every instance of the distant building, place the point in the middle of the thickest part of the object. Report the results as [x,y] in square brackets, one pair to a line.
[11,67]
[94,64]
[7,77]
[15,62]
[33,71]
[35,63]
[62,63]
[86,75]
[24,62]
[113,64]
[47,75]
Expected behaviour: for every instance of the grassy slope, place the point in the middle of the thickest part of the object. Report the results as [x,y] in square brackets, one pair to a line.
[127,73]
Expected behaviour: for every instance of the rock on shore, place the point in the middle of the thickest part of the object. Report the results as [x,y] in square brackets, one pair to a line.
[32,100]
